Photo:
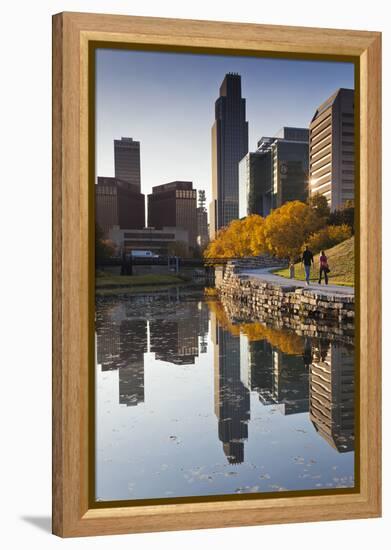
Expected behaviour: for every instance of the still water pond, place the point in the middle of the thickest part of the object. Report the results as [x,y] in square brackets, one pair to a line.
[190,403]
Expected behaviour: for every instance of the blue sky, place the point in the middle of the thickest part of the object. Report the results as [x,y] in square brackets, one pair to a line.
[166,101]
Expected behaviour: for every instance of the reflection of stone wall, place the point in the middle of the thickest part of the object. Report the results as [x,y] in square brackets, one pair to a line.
[308,312]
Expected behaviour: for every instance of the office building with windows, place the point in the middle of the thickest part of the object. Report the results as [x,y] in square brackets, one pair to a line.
[332,149]
[127,161]
[276,173]
[229,145]
[174,204]
[255,184]
[118,204]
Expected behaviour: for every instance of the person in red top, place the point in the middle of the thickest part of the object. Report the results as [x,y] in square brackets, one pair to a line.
[323,268]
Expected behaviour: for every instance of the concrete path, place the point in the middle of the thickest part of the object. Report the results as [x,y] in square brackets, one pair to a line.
[266,275]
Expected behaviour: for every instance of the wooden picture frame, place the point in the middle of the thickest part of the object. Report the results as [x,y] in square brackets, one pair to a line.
[73,296]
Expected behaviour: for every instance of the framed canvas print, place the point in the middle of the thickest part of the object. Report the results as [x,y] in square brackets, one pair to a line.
[216,274]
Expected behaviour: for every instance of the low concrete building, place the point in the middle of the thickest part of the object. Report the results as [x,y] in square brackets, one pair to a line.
[159,241]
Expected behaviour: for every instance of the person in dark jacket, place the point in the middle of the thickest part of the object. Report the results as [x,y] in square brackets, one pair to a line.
[307,259]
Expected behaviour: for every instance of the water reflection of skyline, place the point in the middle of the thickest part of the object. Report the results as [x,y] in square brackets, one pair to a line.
[122,340]
[294,373]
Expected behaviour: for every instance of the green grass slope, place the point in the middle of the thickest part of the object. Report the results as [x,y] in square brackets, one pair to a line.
[108,284]
[341,263]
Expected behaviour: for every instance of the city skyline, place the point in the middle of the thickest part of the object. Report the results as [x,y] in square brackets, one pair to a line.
[169,108]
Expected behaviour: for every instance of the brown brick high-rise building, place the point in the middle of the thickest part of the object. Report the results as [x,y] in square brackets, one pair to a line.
[127,161]
[174,204]
[118,204]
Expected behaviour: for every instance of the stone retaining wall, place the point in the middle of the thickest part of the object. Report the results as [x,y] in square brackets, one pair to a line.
[236,266]
[295,307]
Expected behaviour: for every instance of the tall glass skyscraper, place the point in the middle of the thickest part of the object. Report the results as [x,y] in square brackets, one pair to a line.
[229,145]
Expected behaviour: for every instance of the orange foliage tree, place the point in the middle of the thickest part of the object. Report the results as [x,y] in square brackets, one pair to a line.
[287,228]
[239,239]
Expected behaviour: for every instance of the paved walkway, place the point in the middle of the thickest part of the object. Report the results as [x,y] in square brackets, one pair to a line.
[266,275]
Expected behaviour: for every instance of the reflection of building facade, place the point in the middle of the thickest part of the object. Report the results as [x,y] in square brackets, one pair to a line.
[332,395]
[174,204]
[121,345]
[290,382]
[232,397]
[229,145]
[108,341]
[332,156]
[278,378]
[261,370]
[158,241]
[175,340]
[118,204]
[203,315]
[122,340]
[127,161]
[133,334]
[276,173]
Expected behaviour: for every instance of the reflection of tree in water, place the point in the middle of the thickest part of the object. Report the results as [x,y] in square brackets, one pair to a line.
[285,340]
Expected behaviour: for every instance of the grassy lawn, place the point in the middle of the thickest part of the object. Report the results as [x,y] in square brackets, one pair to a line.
[341,263]
[109,282]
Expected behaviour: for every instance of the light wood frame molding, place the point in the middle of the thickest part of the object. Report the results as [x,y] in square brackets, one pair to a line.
[72,295]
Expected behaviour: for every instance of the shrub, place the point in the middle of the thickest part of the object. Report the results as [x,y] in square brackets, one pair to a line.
[329,236]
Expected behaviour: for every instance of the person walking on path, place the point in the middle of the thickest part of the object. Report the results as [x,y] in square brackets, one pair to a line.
[307,259]
[323,268]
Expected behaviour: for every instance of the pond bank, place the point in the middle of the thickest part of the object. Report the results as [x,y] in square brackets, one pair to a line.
[259,294]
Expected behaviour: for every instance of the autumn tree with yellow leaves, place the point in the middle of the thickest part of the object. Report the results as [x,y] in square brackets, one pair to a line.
[241,238]
[287,228]
[281,234]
